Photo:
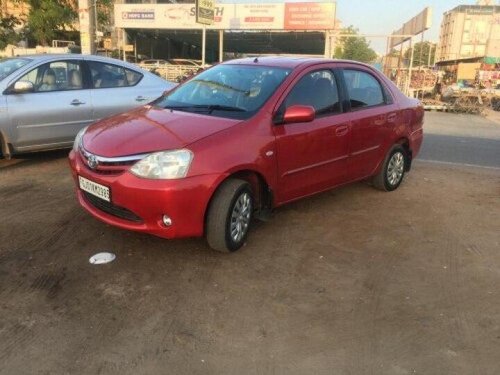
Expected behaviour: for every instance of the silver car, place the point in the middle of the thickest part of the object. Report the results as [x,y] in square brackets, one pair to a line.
[46,99]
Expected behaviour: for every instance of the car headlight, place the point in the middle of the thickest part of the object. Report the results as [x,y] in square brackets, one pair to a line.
[78,139]
[167,165]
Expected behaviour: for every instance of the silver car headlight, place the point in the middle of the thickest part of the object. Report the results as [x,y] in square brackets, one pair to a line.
[164,165]
[78,139]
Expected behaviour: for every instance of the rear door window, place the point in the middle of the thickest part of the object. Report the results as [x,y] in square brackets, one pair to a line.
[364,89]
[110,76]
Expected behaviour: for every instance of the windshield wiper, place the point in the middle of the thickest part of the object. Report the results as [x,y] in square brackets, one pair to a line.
[219,107]
[207,107]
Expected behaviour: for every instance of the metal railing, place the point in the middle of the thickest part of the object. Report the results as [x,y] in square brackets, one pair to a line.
[173,73]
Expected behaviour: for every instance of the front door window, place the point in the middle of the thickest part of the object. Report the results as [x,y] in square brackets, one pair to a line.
[55,76]
[318,90]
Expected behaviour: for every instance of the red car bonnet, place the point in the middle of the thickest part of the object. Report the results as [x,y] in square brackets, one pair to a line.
[150,129]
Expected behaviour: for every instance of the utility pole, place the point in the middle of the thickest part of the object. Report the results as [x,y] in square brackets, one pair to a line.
[408,82]
[221,45]
[203,45]
[430,53]
[420,62]
[87,28]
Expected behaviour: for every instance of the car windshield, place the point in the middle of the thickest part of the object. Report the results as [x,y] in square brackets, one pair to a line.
[9,66]
[234,91]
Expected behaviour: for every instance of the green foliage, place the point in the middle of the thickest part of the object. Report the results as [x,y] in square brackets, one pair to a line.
[354,48]
[104,10]
[394,53]
[47,18]
[8,35]
[423,48]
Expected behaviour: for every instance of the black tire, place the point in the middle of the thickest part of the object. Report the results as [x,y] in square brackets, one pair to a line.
[219,217]
[1,146]
[385,181]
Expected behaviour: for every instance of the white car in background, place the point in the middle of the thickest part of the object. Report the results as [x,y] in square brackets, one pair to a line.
[189,62]
[46,99]
[153,63]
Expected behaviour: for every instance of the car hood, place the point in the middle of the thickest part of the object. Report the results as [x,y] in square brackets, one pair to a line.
[150,129]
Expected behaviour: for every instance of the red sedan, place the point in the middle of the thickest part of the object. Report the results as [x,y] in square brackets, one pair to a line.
[242,138]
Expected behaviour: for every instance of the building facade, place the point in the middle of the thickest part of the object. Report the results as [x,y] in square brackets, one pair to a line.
[470,31]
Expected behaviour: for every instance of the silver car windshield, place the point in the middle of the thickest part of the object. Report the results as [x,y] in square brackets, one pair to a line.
[9,66]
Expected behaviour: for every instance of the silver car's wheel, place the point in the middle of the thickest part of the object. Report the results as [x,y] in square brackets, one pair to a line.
[395,168]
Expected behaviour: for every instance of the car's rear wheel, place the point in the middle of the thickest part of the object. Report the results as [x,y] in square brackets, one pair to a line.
[393,170]
[229,216]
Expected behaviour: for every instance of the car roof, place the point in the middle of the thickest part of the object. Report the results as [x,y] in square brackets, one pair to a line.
[291,62]
[53,56]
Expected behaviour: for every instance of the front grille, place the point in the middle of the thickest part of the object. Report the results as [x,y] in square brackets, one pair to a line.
[110,208]
[107,167]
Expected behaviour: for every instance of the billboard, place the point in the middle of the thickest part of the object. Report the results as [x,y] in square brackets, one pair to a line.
[415,26]
[248,16]
[309,16]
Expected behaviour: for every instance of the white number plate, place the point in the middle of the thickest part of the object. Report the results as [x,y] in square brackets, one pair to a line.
[94,188]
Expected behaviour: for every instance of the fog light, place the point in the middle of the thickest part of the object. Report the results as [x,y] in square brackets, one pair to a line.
[167,221]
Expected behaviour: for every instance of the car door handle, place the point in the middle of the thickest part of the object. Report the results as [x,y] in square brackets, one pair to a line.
[391,117]
[141,98]
[380,120]
[341,130]
[76,102]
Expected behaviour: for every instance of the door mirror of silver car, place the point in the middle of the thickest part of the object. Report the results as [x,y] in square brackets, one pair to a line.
[21,87]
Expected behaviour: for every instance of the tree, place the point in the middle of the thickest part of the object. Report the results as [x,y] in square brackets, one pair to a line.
[8,34]
[104,11]
[421,53]
[48,19]
[354,48]
[393,53]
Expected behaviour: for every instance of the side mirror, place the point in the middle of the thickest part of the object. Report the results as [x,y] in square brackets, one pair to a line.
[21,87]
[167,91]
[299,113]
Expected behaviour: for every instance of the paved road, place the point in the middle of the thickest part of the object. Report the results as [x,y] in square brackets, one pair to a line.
[461,139]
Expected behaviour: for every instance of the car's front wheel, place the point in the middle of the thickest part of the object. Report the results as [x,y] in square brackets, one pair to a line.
[229,216]
[393,170]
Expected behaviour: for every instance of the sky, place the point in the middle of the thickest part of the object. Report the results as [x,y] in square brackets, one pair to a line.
[385,16]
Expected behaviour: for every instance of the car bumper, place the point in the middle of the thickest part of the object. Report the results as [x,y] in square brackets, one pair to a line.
[416,139]
[139,204]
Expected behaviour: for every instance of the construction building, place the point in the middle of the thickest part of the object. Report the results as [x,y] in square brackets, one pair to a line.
[469,32]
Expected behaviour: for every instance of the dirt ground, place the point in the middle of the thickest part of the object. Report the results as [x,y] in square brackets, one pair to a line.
[353,281]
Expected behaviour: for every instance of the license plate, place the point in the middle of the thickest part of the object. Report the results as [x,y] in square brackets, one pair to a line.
[94,188]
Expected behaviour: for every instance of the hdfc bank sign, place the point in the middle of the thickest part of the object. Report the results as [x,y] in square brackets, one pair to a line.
[139,15]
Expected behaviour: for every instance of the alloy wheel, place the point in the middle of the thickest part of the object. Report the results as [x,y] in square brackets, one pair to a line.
[240,217]
[395,168]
